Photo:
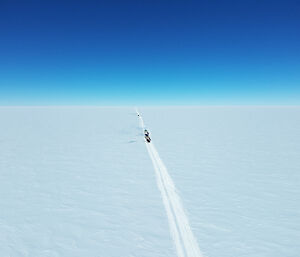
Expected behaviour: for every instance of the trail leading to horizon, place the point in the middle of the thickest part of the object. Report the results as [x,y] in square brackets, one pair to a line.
[183,237]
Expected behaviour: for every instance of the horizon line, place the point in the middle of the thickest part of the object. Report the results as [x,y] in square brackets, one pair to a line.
[133,106]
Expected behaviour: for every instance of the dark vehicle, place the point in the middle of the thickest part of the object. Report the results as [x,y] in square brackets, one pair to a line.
[147,135]
[148,139]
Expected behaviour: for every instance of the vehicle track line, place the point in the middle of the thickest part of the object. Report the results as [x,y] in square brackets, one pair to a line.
[181,232]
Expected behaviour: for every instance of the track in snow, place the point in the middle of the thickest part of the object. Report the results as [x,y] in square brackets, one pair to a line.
[184,240]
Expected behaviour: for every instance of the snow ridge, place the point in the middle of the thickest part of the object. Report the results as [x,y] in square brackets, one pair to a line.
[182,235]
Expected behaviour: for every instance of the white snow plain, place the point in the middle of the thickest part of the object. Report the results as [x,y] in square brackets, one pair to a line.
[78,181]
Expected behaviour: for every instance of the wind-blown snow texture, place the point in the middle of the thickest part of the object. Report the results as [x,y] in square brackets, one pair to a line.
[79,181]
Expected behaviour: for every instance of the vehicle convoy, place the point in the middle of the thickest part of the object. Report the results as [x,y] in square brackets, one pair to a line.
[147,136]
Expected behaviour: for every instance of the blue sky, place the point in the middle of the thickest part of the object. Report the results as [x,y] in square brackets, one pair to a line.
[149,52]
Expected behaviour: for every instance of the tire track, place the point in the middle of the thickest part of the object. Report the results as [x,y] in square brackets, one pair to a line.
[181,232]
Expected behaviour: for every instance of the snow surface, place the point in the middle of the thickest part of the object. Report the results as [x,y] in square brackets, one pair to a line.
[78,181]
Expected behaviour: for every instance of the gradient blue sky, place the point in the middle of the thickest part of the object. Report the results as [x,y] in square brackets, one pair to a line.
[149,52]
